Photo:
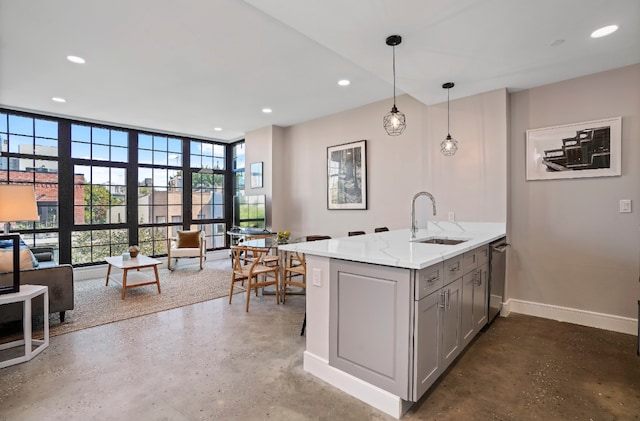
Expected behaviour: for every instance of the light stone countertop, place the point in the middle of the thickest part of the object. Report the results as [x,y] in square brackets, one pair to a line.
[394,248]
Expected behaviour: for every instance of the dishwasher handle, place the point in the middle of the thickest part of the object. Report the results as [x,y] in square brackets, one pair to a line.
[500,248]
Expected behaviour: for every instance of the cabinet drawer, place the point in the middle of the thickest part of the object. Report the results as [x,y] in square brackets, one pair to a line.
[453,269]
[470,260]
[482,255]
[429,280]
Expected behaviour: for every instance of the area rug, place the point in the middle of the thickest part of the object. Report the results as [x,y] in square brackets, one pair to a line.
[97,304]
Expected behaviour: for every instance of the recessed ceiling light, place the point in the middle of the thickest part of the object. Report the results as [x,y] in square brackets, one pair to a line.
[58,99]
[344,82]
[266,110]
[76,59]
[604,31]
[218,129]
[556,42]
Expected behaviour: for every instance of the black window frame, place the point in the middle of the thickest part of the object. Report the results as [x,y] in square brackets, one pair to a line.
[66,183]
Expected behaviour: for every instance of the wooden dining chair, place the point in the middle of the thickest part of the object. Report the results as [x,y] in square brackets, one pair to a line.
[297,266]
[251,272]
[381,229]
[317,237]
[352,233]
[268,258]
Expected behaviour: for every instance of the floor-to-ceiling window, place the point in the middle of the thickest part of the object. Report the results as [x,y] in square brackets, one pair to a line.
[29,155]
[101,188]
[99,157]
[238,168]
[208,169]
[160,191]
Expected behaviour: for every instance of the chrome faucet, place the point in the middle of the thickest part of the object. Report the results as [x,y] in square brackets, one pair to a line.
[414,228]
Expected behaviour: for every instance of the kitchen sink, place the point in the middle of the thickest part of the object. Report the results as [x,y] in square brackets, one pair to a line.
[441,241]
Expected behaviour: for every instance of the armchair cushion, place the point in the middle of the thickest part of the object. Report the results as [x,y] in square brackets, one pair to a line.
[188,239]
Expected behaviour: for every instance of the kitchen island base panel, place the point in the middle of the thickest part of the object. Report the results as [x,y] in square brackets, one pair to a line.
[380,399]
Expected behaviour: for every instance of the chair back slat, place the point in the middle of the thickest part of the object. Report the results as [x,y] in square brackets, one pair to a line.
[317,237]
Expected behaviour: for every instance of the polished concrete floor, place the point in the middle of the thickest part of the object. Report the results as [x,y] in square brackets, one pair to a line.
[213,361]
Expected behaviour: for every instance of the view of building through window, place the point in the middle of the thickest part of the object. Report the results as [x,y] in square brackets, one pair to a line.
[116,196]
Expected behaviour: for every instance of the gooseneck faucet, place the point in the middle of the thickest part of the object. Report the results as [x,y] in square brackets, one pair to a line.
[414,228]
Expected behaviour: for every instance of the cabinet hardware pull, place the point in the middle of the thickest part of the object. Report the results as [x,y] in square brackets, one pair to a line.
[455,268]
[442,303]
[432,279]
[477,278]
[447,297]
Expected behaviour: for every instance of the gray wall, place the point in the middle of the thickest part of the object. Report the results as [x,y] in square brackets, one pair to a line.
[571,246]
[472,184]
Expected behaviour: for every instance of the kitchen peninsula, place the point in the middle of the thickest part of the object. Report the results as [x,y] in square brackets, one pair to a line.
[386,315]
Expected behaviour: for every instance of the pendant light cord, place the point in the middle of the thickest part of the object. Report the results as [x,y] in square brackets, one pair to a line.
[394,75]
[448,131]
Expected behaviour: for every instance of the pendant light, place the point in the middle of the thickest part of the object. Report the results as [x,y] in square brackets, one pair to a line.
[449,145]
[394,121]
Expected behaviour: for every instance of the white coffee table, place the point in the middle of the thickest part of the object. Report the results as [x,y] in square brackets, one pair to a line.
[25,295]
[136,278]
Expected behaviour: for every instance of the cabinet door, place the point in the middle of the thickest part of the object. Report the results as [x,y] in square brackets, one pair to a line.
[369,324]
[426,345]
[480,298]
[451,322]
[467,320]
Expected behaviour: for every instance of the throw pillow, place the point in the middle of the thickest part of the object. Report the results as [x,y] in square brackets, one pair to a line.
[188,239]
[8,245]
[6,260]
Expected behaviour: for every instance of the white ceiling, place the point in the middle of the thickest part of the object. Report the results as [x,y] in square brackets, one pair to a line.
[189,66]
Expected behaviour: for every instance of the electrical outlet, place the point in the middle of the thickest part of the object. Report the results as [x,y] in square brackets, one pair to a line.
[452,216]
[317,277]
[625,206]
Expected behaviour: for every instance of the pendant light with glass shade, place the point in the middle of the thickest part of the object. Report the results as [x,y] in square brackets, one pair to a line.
[394,121]
[449,145]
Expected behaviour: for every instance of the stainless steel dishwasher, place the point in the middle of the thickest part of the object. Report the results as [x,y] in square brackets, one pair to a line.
[497,268]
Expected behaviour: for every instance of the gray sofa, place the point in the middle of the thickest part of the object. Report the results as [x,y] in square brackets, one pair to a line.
[59,279]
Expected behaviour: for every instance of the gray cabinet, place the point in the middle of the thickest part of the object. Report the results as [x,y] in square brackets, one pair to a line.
[451,334]
[474,301]
[480,297]
[467,321]
[427,341]
[400,329]
[370,324]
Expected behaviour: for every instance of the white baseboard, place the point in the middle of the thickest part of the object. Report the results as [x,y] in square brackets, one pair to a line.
[369,394]
[571,315]
[100,271]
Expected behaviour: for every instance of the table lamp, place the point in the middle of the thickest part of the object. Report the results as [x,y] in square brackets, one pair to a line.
[17,203]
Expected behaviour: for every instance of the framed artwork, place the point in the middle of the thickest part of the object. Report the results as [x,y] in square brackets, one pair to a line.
[347,176]
[256,175]
[587,149]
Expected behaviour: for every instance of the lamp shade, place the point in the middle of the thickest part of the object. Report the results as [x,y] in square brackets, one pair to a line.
[17,203]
